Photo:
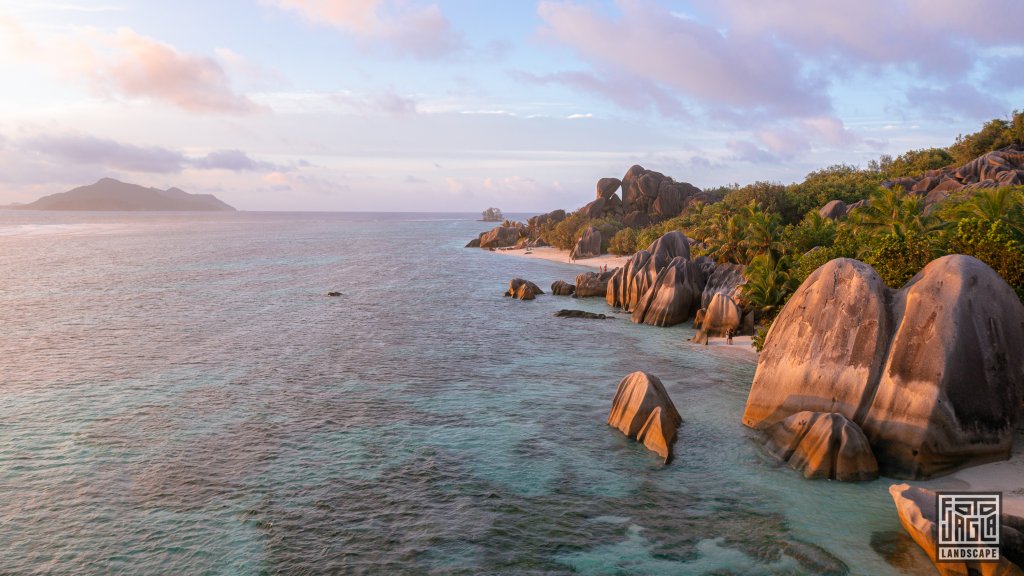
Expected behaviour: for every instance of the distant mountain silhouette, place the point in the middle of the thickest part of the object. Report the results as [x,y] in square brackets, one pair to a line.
[109,194]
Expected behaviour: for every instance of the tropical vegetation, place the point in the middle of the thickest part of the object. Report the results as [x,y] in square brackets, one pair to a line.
[777,232]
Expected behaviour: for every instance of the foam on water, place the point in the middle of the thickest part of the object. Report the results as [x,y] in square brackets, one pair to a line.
[180,396]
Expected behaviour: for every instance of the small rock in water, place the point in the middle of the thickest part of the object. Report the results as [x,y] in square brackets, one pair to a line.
[334,293]
[579,314]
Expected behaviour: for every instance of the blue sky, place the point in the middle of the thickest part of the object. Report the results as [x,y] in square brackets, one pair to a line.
[419,105]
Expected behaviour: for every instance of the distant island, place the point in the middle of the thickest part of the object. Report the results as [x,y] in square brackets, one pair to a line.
[492,215]
[112,195]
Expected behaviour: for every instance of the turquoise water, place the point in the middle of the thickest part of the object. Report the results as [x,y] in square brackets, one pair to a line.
[178,395]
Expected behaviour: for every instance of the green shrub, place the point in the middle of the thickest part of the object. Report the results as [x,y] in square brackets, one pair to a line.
[994,244]
[565,233]
[624,242]
[914,163]
[897,258]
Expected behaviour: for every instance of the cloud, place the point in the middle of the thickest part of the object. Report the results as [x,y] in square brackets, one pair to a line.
[110,154]
[129,65]
[387,102]
[233,160]
[132,65]
[786,140]
[628,92]
[747,151]
[404,28]
[935,37]
[80,149]
[647,46]
[1006,72]
[960,100]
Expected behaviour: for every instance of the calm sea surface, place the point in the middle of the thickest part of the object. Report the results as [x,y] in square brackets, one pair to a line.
[179,396]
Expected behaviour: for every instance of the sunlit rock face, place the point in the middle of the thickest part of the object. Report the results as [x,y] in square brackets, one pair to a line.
[522,289]
[630,282]
[823,445]
[932,373]
[590,284]
[589,244]
[562,288]
[643,411]
[673,297]
[916,508]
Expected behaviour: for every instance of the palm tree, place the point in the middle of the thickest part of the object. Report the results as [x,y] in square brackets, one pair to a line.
[769,284]
[890,211]
[764,232]
[726,243]
[992,205]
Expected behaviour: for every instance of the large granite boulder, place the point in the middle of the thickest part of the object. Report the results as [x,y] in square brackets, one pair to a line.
[673,297]
[622,289]
[670,245]
[632,280]
[1004,167]
[722,315]
[835,209]
[636,219]
[642,410]
[629,187]
[823,445]
[652,194]
[931,373]
[562,288]
[522,289]
[553,217]
[606,187]
[724,279]
[916,508]
[474,243]
[501,236]
[590,284]
[925,185]
[589,244]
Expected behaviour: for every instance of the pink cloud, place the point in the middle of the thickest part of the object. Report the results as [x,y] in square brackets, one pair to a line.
[786,140]
[135,66]
[720,72]
[127,64]
[418,31]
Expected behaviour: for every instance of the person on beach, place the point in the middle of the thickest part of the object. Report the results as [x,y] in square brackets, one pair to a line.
[728,336]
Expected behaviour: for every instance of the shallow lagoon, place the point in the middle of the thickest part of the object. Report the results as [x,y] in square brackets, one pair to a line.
[178,395]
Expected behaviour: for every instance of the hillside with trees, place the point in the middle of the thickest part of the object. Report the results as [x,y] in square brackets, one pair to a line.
[896,214]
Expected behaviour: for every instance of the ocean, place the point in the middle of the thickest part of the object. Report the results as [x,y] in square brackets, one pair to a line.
[178,395]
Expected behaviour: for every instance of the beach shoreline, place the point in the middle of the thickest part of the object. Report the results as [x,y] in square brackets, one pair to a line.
[741,347]
[553,254]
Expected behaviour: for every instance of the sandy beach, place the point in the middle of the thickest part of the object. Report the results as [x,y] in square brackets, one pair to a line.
[1006,477]
[557,255]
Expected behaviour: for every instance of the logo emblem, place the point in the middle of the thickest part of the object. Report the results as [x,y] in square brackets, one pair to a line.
[968,527]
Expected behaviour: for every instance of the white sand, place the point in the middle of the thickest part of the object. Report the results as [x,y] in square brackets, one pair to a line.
[1006,477]
[556,255]
[741,347]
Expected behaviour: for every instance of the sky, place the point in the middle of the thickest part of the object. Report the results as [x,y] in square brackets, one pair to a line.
[410,105]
